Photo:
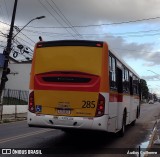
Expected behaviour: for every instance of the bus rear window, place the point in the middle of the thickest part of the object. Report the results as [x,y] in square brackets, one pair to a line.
[67,79]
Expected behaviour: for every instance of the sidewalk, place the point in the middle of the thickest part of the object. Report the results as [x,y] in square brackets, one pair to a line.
[153,147]
[6,118]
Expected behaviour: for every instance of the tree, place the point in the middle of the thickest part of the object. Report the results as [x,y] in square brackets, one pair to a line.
[155,98]
[144,89]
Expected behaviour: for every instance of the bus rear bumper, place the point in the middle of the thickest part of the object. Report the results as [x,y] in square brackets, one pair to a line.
[64,122]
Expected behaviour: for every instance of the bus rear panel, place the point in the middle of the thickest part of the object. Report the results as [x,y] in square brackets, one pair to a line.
[68,87]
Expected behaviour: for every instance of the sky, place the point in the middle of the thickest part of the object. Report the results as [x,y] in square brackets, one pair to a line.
[130,27]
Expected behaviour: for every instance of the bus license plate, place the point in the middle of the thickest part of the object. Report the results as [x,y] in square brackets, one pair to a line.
[62,111]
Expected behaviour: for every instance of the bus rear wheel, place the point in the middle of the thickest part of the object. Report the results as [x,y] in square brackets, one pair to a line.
[122,131]
[133,123]
[137,115]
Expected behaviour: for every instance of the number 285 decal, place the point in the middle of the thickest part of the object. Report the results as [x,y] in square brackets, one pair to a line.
[88,104]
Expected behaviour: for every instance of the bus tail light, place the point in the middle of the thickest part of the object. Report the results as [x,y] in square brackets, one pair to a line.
[100,106]
[31,102]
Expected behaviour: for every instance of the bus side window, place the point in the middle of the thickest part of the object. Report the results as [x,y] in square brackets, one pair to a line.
[112,73]
[119,80]
[131,85]
[135,85]
[125,80]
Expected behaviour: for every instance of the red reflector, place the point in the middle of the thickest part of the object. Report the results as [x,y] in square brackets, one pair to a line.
[100,106]
[39,45]
[31,106]
[99,45]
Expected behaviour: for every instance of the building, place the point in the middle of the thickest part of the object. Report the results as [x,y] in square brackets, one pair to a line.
[18,79]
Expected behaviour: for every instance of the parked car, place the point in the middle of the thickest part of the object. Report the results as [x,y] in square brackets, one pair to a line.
[151,102]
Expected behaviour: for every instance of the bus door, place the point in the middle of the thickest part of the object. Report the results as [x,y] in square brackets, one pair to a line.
[120,98]
[131,98]
[119,81]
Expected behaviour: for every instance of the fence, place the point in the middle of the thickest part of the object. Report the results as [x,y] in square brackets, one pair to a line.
[15,97]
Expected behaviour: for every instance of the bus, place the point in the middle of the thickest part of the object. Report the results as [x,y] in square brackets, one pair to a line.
[80,84]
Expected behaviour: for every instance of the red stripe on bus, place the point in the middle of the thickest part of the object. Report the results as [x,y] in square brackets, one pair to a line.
[67,81]
[115,97]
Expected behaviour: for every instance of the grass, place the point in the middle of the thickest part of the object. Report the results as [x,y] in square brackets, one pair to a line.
[13,101]
[6,120]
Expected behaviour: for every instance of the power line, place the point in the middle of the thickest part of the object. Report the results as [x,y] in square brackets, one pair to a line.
[96,35]
[130,50]
[114,23]
[119,23]
[125,33]
[147,31]
[28,38]
[54,17]
[104,24]
[141,35]
[24,40]
[63,16]
[5,35]
[18,43]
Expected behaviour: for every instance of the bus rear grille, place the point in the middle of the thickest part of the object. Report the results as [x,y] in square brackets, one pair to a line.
[66,79]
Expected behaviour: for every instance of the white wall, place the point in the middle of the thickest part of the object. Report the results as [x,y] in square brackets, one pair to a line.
[10,109]
[19,80]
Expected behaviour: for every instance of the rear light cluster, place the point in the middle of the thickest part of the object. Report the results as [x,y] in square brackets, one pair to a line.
[100,106]
[31,106]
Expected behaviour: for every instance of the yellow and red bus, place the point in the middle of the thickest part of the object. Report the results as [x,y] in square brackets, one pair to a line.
[79,84]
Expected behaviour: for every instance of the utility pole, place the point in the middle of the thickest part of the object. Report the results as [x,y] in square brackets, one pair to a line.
[6,53]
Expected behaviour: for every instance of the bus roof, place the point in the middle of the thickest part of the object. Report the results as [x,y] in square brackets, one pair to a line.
[70,43]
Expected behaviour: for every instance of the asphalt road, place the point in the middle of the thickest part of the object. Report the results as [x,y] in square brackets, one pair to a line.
[19,135]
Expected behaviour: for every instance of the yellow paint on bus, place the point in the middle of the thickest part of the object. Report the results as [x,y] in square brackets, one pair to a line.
[74,101]
[69,58]
[92,60]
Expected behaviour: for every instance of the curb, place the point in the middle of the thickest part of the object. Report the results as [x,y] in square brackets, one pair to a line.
[152,137]
[11,118]
[12,121]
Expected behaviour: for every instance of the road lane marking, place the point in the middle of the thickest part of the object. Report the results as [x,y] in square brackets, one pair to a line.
[24,135]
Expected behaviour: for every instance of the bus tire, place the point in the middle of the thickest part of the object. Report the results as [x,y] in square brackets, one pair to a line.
[29,125]
[133,123]
[122,131]
[138,112]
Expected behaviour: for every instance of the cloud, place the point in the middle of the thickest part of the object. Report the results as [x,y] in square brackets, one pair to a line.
[85,12]
[151,78]
[82,12]
[153,58]
[134,50]
[113,11]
